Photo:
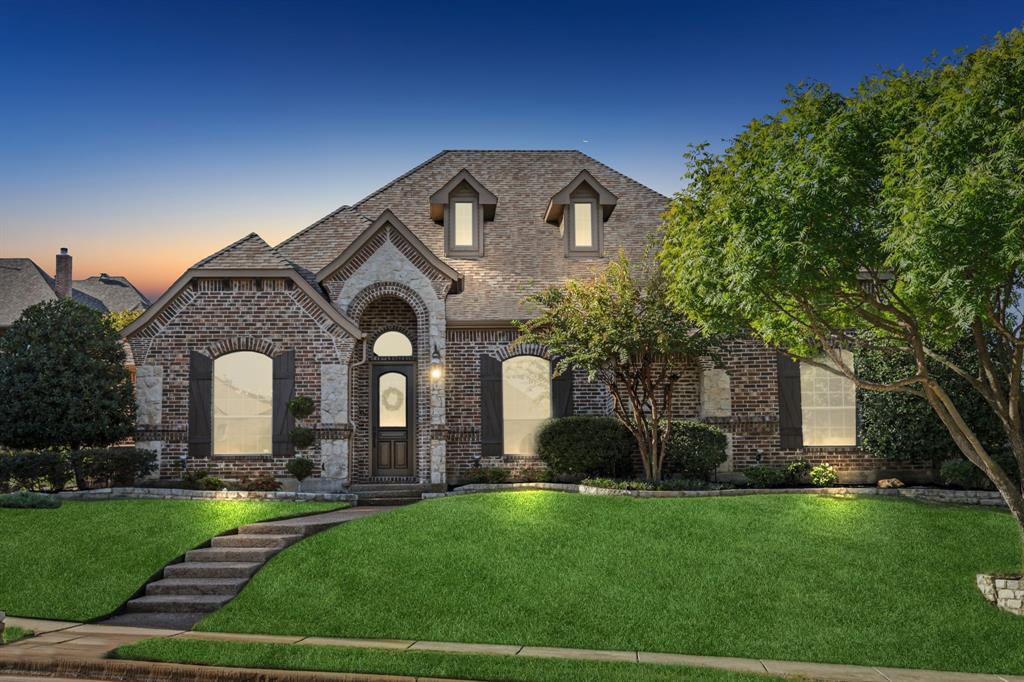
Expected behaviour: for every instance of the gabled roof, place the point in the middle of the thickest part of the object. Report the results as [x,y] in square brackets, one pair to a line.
[522,252]
[23,283]
[384,221]
[440,198]
[248,252]
[249,257]
[563,198]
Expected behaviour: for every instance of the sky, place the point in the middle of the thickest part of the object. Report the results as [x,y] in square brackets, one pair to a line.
[146,135]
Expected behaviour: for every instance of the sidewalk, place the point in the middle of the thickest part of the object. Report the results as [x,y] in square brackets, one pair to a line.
[57,639]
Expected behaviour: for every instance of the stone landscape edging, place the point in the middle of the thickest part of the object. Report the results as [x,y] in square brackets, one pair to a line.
[137,493]
[1006,593]
[966,497]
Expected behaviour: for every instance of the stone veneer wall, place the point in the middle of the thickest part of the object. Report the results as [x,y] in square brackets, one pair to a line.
[218,316]
[1006,593]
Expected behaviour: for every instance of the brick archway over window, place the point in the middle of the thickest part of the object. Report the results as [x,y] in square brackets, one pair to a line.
[249,343]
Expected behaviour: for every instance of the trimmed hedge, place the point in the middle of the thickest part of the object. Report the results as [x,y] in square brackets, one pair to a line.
[27,500]
[587,446]
[90,468]
[695,450]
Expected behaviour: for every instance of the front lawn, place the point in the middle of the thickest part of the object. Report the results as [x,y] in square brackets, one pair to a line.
[794,577]
[417,663]
[85,559]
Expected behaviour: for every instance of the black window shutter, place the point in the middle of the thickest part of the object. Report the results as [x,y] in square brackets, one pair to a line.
[200,392]
[791,433]
[491,434]
[284,390]
[561,395]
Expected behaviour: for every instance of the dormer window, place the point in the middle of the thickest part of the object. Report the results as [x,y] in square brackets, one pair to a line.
[462,206]
[580,210]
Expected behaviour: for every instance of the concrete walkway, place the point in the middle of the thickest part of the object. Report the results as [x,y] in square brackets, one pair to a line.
[56,639]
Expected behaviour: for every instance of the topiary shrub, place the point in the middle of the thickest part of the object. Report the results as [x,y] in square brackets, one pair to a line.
[301,406]
[28,500]
[300,467]
[485,475]
[301,437]
[695,450]
[824,475]
[590,446]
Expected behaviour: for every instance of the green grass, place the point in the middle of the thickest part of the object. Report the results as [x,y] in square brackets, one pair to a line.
[13,634]
[796,577]
[416,663]
[85,559]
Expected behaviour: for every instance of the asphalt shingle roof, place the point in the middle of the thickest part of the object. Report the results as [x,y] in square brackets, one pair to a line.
[249,252]
[522,253]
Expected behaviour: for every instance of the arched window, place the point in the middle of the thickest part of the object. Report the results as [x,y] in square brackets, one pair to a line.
[526,402]
[243,388]
[392,345]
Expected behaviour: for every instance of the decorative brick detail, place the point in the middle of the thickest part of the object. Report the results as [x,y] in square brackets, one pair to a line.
[242,343]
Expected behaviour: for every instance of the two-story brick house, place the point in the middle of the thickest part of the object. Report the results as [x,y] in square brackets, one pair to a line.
[394,315]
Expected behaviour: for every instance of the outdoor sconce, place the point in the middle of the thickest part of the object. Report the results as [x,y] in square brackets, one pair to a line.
[435,364]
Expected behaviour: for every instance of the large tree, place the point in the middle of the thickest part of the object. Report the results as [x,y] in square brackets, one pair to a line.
[622,329]
[889,219]
[63,382]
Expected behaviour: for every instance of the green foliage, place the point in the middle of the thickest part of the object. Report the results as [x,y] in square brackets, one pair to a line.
[959,473]
[767,477]
[119,319]
[89,468]
[824,475]
[670,484]
[301,437]
[485,475]
[24,499]
[797,471]
[624,331]
[695,450]
[200,479]
[536,475]
[904,427]
[63,383]
[261,482]
[301,406]
[300,467]
[589,446]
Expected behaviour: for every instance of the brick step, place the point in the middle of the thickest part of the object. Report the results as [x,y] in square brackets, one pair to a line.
[232,554]
[218,569]
[190,603]
[363,488]
[192,586]
[255,540]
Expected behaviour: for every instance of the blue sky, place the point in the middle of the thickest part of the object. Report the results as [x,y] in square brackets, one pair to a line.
[145,135]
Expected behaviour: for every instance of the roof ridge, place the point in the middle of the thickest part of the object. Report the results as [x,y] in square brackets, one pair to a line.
[621,174]
[232,246]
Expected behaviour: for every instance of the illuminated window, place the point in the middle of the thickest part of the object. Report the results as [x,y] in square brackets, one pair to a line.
[391,392]
[392,345]
[828,404]
[583,225]
[526,401]
[243,388]
[463,234]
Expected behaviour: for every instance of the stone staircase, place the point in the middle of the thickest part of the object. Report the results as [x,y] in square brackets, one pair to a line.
[389,494]
[210,577]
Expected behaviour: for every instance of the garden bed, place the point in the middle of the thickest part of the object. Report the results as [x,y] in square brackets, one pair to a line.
[155,493]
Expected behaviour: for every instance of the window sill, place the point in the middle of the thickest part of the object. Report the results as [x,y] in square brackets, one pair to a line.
[832,448]
[255,458]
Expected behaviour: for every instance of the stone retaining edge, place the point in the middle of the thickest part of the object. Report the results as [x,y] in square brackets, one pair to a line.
[985,498]
[123,493]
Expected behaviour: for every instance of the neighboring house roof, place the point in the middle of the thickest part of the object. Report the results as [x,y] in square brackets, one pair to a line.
[23,283]
[522,253]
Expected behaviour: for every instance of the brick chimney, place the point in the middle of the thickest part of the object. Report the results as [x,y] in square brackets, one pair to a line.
[62,281]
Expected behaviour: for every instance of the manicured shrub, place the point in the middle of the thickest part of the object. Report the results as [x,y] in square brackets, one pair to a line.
[200,479]
[592,446]
[535,475]
[824,475]
[959,473]
[301,406]
[695,450]
[300,467]
[262,482]
[301,437]
[28,500]
[766,477]
[485,475]
[670,484]
[797,471]
[106,467]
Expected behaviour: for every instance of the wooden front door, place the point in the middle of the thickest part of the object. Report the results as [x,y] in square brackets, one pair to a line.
[394,441]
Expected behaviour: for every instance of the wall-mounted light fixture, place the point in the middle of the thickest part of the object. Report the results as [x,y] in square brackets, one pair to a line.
[435,364]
